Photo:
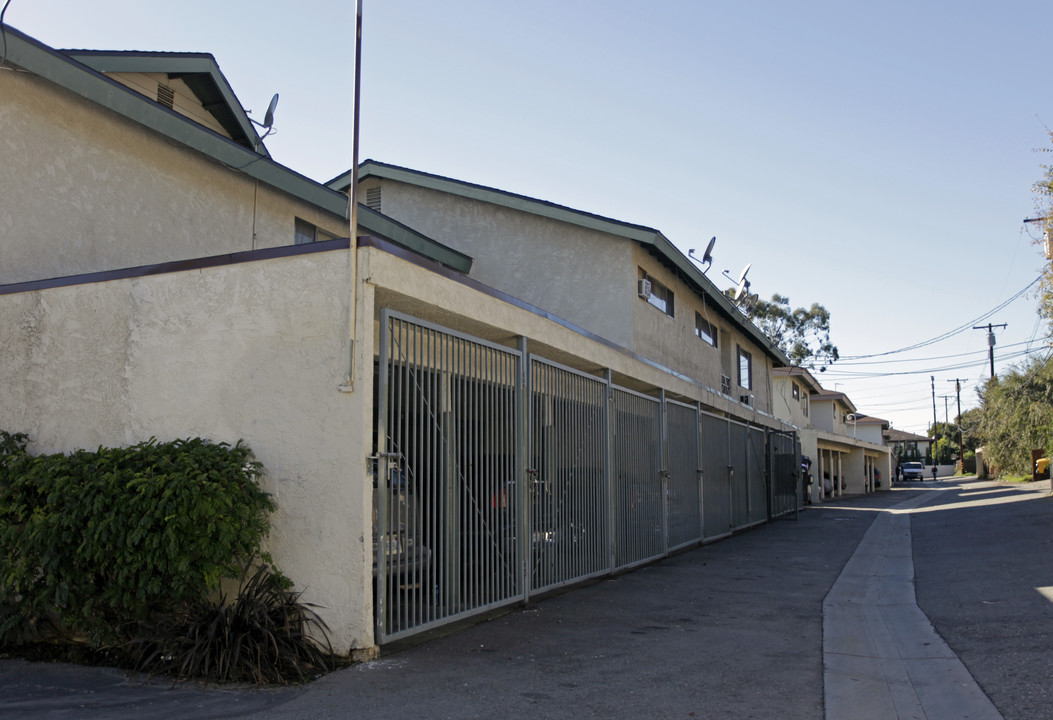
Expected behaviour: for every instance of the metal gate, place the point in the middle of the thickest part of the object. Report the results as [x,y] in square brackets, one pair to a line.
[785,454]
[683,487]
[569,501]
[716,476]
[639,518]
[497,474]
[445,491]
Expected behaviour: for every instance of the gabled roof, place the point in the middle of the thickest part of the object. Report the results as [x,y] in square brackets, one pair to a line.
[832,396]
[903,436]
[799,372]
[652,239]
[862,419]
[66,71]
[199,71]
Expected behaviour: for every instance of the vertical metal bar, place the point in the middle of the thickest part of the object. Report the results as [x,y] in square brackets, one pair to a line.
[609,469]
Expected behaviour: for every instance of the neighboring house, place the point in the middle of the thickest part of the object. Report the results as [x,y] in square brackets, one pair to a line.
[437,445]
[908,446]
[845,447]
[614,279]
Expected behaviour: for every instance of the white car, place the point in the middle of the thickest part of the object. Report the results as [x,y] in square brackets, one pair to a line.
[913,471]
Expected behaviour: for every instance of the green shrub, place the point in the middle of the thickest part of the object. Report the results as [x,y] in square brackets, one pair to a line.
[92,543]
[264,635]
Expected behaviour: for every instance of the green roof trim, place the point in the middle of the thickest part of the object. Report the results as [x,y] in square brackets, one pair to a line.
[649,237]
[31,55]
[199,71]
[410,239]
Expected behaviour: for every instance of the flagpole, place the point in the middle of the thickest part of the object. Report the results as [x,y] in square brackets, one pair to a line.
[353,199]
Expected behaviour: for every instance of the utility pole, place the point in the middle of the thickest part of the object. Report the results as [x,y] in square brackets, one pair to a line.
[932,445]
[961,445]
[990,340]
[946,419]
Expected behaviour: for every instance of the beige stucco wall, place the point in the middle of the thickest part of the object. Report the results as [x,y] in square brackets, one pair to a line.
[86,190]
[254,351]
[785,406]
[586,277]
[672,340]
[576,273]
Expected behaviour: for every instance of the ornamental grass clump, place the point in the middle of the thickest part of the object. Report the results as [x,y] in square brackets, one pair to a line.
[265,634]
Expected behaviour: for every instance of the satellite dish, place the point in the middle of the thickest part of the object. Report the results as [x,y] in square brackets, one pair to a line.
[268,118]
[707,258]
[743,288]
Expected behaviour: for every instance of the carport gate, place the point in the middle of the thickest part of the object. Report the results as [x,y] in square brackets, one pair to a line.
[498,474]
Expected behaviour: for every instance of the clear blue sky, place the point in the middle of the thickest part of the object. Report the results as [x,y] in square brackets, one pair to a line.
[876,158]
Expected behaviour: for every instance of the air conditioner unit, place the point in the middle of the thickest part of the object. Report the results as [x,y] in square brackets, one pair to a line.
[644,288]
[746,400]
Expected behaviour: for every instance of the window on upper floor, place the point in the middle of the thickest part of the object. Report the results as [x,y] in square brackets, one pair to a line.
[305,232]
[655,293]
[804,404]
[705,330]
[796,391]
[745,369]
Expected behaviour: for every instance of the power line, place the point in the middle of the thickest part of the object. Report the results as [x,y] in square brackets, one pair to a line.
[949,333]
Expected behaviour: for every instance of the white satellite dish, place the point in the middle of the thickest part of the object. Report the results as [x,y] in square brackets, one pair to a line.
[743,286]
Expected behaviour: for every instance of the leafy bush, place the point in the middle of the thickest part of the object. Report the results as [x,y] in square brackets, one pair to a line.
[262,636]
[92,543]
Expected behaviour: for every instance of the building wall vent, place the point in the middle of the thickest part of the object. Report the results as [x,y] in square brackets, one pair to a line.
[165,95]
[373,198]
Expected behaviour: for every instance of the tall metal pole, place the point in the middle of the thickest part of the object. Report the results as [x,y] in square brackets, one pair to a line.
[932,450]
[352,196]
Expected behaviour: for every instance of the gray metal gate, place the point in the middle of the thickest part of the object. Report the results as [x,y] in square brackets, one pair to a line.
[569,501]
[445,491]
[785,454]
[639,518]
[498,474]
[683,491]
[716,476]
[757,476]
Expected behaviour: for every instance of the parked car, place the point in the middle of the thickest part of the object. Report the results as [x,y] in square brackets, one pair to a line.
[913,471]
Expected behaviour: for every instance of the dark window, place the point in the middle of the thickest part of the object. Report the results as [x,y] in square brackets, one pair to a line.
[305,232]
[655,293]
[745,369]
[705,330]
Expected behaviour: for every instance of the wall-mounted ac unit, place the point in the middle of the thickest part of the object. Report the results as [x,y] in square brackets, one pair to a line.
[643,288]
[746,400]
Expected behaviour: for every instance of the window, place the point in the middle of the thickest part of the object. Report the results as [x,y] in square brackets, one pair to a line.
[305,232]
[745,369]
[656,293]
[796,391]
[705,330]
[804,404]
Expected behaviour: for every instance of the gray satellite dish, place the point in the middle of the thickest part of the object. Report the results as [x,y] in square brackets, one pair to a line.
[707,258]
[268,118]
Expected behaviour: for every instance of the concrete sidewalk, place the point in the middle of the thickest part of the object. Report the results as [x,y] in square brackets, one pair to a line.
[730,630]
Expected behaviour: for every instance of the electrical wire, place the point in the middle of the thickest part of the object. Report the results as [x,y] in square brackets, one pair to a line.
[949,333]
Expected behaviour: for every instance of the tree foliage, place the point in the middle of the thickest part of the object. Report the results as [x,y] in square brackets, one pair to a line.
[1043,190]
[1017,415]
[802,333]
[93,542]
